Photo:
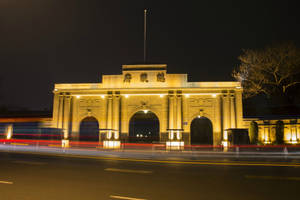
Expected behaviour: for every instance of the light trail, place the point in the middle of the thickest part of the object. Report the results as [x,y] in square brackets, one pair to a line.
[6,182]
[198,162]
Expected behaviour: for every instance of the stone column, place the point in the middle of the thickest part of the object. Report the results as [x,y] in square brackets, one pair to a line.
[60,111]
[124,111]
[109,116]
[239,109]
[218,122]
[232,112]
[75,120]
[179,116]
[171,112]
[171,115]
[116,116]
[66,120]
[55,110]
[226,115]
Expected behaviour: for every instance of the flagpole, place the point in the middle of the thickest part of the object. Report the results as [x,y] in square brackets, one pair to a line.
[145,33]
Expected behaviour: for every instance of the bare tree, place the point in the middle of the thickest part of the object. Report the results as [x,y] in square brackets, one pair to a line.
[271,71]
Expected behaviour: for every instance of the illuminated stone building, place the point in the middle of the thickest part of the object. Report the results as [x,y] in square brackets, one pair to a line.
[267,129]
[179,107]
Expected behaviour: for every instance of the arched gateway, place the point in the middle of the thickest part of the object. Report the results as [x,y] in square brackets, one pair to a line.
[89,129]
[173,99]
[201,131]
[144,127]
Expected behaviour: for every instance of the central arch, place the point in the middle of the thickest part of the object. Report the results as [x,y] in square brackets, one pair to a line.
[201,131]
[89,129]
[144,127]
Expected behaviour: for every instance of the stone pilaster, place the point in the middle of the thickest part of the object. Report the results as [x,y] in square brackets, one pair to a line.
[232,112]
[171,112]
[226,115]
[171,117]
[75,117]
[179,112]
[218,121]
[226,112]
[66,118]
[109,116]
[55,110]
[239,109]
[116,116]
[179,116]
[60,111]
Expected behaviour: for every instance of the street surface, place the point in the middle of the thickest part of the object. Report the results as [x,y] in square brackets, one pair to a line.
[28,176]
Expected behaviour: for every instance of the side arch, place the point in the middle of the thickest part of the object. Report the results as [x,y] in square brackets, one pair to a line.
[201,131]
[89,129]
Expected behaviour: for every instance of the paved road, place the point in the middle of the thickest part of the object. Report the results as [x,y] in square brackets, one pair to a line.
[41,177]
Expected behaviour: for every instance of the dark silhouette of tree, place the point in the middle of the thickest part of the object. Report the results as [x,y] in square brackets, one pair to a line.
[273,71]
[279,132]
[253,132]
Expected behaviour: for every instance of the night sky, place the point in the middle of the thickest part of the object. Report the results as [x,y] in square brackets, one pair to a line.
[43,42]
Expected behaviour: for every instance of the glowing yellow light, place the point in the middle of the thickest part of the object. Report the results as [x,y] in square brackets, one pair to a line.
[146,111]
[65,143]
[187,95]
[171,135]
[178,135]
[161,95]
[174,145]
[111,144]
[126,95]
[109,134]
[225,143]
[9,132]
[214,95]
[116,135]
[102,96]
[78,97]
[199,116]
[55,89]
[225,135]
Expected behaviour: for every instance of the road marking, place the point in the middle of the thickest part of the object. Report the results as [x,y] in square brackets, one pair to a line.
[233,163]
[273,178]
[6,182]
[128,171]
[29,162]
[122,197]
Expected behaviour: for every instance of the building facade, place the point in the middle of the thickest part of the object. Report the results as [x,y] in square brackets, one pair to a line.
[175,102]
[268,127]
